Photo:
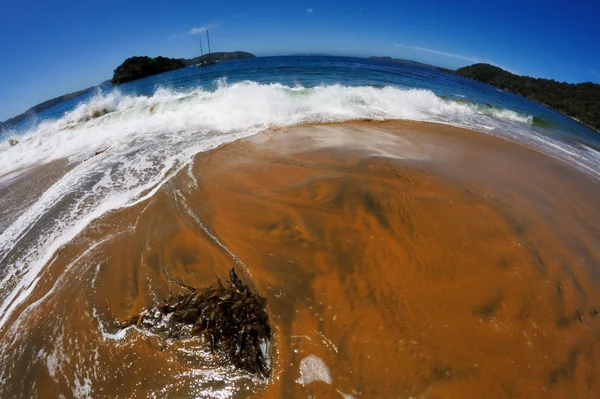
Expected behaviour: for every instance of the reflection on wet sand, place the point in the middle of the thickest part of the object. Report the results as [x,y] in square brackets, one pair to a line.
[397,259]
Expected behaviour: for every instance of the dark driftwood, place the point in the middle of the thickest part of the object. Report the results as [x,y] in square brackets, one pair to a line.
[231,319]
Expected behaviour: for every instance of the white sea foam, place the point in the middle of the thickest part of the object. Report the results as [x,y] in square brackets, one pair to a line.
[345,395]
[141,141]
[313,368]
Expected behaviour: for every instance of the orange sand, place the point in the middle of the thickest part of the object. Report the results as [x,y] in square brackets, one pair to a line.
[415,260]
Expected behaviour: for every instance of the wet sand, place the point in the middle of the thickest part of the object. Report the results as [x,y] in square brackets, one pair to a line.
[412,259]
[21,189]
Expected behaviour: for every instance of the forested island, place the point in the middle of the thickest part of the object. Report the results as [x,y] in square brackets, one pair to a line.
[580,101]
[140,67]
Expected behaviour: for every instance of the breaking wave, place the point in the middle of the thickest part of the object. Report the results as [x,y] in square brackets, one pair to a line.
[113,118]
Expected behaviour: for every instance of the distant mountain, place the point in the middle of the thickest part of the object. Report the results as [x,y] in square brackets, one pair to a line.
[312,55]
[411,63]
[134,68]
[41,107]
[222,56]
[580,101]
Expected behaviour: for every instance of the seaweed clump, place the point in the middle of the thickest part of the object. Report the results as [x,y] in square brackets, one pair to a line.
[231,319]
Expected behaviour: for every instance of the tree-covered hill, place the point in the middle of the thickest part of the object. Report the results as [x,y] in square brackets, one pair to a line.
[140,67]
[580,101]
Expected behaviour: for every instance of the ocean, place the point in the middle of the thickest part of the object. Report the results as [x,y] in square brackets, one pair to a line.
[118,147]
[241,97]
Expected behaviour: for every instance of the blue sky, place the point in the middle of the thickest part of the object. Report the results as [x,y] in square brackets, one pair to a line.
[51,48]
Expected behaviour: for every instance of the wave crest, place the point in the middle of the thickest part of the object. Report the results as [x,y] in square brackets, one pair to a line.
[106,117]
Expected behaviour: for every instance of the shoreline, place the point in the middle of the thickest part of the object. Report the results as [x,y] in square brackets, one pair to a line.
[22,188]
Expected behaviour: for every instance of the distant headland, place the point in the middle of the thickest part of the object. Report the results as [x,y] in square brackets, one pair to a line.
[43,106]
[580,101]
[134,68]
[219,56]
[411,63]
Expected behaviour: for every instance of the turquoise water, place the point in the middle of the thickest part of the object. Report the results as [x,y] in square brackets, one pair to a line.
[134,137]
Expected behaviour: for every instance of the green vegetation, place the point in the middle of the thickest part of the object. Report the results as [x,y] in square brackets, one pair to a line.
[140,67]
[580,101]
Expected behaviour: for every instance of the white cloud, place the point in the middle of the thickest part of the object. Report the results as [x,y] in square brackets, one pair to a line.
[309,10]
[428,50]
[176,36]
[196,31]
[452,55]
[199,30]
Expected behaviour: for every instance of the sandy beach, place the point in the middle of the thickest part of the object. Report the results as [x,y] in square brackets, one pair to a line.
[412,259]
